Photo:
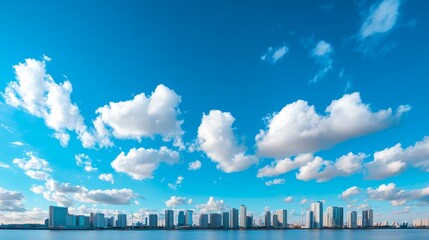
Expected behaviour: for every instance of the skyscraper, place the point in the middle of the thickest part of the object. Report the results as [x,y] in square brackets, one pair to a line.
[233,218]
[225,219]
[317,209]
[282,218]
[121,222]
[215,220]
[367,218]
[57,216]
[267,219]
[334,217]
[275,221]
[169,219]
[188,218]
[243,216]
[181,219]
[309,220]
[204,220]
[99,221]
[352,219]
[153,220]
[249,221]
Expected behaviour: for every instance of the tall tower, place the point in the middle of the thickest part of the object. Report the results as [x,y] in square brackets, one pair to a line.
[267,219]
[233,218]
[317,209]
[169,219]
[243,216]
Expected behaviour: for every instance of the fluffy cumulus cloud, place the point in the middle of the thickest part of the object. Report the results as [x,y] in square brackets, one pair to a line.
[11,201]
[272,55]
[34,167]
[298,128]
[66,194]
[175,201]
[324,170]
[276,181]
[394,160]
[141,163]
[350,192]
[36,92]
[282,166]
[212,205]
[216,138]
[381,18]
[193,166]
[35,215]
[145,116]
[398,196]
[288,199]
[84,161]
[176,184]
[322,53]
[106,177]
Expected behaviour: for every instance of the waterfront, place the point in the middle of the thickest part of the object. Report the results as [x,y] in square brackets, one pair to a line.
[374,234]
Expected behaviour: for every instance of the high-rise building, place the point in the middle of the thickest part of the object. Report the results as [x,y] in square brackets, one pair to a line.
[275,221]
[121,221]
[334,217]
[215,220]
[109,222]
[249,221]
[282,218]
[309,220]
[71,220]
[57,216]
[181,219]
[352,219]
[99,221]
[225,219]
[233,218]
[153,220]
[82,221]
[267,219]
[317,209]
[169,219]
[188,218]
[339,217]
[243,216]
[204,220]
[367,218]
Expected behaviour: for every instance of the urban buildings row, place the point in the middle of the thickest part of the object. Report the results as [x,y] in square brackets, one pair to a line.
[59,217]
[334,218]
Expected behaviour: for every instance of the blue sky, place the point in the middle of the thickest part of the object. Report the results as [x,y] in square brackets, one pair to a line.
[105,106]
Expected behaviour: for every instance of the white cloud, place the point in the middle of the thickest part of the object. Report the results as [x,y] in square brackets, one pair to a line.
[145,116]
[11,201]
[212,205]
[381,19]
[66,194]
[107,177]
[217,140]
[398,196]
[322,53]
[46,58]
[298,129]
[193,166]
[4,165]
[175,201]
[177,184]
[84,161]
[34,167]
[323,170]
[36,92]
[35,215]
[303,201]
[288,199]
[394,160]
[141,163]
[279,167]
[17,143]
[276,181]
[273,55]
[350,192]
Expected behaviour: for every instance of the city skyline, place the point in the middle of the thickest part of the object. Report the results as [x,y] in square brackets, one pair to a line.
[148,107]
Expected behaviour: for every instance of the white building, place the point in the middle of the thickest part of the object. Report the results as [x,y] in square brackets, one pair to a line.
[317,209]
[352,219]
[282,218]
[243,216]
